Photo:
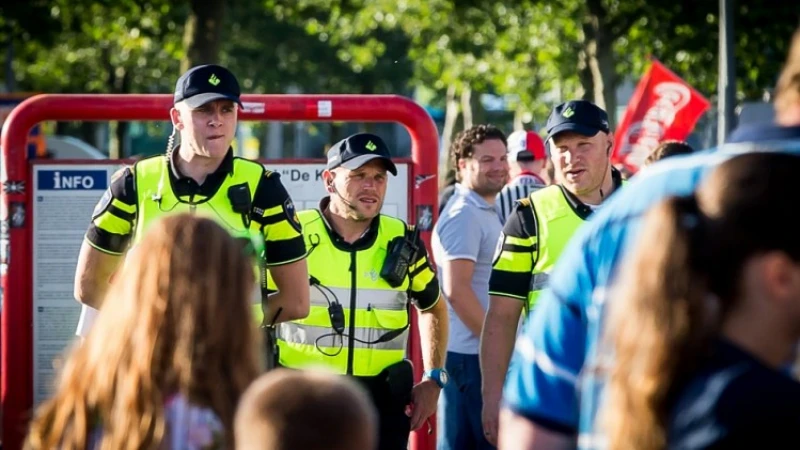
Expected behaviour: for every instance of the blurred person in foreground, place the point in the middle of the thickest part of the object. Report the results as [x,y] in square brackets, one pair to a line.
[200,176]
[538,230]
[463,243]
[550,401]
[526,170]
[305,410]
[166,363]
[707,317]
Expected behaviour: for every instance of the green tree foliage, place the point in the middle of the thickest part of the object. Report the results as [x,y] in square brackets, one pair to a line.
[102,47]
[532,53]
[685,36]
[312,45]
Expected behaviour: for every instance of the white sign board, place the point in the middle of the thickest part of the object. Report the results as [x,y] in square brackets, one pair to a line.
[64,197]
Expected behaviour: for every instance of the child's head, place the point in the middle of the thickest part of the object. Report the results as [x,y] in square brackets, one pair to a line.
[305,410]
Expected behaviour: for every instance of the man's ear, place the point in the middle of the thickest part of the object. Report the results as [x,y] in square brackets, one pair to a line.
[175,116]
[779,275]
[462,163]
[327,178]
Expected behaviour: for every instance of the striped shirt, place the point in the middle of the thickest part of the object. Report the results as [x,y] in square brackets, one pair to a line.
[518,188]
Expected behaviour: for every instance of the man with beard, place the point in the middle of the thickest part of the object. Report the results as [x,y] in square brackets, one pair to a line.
[537,231]
[464,240]
[365,269]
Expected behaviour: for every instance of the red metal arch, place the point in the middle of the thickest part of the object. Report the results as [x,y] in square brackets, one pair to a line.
[17,347]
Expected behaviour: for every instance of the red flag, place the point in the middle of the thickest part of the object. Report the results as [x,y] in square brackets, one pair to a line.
[662,107]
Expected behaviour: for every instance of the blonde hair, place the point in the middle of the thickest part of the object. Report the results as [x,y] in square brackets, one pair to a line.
[787,90]
[176,320]
[680,283]
[280,408]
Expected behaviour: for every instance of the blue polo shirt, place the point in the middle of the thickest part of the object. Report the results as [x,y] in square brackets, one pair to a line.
[547,381]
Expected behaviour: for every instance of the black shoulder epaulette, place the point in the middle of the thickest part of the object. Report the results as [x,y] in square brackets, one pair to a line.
[121,171]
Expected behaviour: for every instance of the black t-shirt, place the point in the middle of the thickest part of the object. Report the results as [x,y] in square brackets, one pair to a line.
[736,402]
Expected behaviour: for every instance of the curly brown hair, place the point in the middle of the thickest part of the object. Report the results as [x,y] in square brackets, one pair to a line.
[463,145]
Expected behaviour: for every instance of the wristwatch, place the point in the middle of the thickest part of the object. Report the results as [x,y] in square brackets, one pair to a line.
[440,376]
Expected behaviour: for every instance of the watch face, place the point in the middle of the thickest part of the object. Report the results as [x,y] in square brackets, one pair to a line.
[443,377]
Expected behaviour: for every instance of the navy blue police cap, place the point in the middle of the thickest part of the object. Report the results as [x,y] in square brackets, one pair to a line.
[578,116]
[356,150]
[206,83]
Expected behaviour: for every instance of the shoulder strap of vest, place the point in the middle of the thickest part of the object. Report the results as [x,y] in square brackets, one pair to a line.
[307,216]
[540,197]
[249,165]
[148,163]
[246,169]
[548,200]
[394,225]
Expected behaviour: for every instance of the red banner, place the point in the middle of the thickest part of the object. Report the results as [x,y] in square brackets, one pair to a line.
[662,107]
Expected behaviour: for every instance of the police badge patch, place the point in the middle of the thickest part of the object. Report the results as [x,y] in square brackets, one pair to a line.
[103,204]
[291,215]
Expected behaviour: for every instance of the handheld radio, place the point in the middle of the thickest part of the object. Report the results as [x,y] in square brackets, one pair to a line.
[399,256]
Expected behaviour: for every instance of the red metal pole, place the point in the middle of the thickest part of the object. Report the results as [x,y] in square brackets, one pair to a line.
[16,366]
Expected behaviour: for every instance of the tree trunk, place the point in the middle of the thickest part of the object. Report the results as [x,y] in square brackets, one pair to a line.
[87,133]
[119,82]
[585,76]
[600,58]
[477,110]
[466,107]
[519,112]
[450,119]
[123,143]
[112,81]
[203,33]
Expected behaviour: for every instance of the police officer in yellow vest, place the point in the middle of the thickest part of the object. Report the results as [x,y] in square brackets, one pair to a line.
[201,176]
[536,232]
[366,268]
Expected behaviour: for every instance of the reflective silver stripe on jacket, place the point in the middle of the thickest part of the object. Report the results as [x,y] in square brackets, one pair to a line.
[296,333]
[385,299]
[539,281]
